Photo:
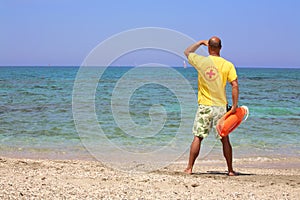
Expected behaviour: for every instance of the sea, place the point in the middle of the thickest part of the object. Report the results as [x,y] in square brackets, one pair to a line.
[40,118]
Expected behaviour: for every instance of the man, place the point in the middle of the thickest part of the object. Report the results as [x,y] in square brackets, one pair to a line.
[213,74]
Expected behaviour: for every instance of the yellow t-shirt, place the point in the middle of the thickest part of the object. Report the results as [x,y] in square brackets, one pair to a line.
[213,74]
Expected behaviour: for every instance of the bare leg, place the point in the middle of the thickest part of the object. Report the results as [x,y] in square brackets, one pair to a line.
[227,152]
[194,152]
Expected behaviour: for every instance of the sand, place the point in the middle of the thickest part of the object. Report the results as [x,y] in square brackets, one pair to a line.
[79,179]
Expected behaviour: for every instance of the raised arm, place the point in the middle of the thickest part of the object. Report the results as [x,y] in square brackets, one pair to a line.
[235,95]
[194,47]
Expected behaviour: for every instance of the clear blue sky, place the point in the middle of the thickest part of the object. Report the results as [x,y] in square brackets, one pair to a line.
[63,32]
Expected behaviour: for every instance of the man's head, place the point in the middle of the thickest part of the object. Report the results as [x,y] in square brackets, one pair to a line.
[214,45]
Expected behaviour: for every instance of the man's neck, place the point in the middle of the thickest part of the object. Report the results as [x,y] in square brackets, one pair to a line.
[214,53]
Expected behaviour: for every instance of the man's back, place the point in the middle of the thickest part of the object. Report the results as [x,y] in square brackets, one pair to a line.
[213,73]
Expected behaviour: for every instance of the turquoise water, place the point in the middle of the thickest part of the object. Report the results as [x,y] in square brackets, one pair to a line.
[273,97]
[36,112]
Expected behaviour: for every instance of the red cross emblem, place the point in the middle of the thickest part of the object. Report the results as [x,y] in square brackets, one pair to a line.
[211,73]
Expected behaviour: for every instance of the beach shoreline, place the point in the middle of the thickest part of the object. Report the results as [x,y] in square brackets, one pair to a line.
[215,157]
[82,179]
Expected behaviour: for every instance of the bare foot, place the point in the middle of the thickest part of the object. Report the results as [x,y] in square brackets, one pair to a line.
[188,171]
[232,173]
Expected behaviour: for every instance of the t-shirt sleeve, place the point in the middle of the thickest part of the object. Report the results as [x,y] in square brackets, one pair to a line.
[195,59]
[232,73]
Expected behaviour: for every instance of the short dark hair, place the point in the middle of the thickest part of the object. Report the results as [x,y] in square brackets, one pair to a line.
[215,44]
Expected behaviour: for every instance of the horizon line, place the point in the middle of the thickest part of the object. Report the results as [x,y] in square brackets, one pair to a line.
[254,67]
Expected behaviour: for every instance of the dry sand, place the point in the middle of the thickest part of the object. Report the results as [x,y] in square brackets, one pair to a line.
[67,179]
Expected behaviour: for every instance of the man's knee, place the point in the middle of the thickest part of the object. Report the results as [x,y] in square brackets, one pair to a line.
[225,140]
[198,138]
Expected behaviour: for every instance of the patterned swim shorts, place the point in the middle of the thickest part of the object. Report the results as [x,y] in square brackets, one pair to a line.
[207,118]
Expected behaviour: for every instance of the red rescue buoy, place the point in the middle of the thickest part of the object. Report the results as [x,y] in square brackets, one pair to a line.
[230,121]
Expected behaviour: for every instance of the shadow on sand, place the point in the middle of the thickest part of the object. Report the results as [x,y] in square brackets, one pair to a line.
[208,174]
[225,173]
